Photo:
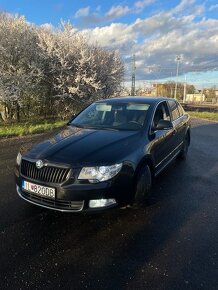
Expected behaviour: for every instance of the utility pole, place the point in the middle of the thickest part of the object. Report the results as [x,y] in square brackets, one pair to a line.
[178,58]
[171,87]
[155,82]
[133,76]
[184,93]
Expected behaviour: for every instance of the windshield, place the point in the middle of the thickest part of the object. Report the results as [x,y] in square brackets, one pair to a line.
[117,116]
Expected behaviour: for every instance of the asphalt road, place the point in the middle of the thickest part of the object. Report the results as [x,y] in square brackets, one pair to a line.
[171,244]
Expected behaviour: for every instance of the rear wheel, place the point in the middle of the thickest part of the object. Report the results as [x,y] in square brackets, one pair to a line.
[143,185]
[183,153]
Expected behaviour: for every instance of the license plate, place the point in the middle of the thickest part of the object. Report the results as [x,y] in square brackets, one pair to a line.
[37,189]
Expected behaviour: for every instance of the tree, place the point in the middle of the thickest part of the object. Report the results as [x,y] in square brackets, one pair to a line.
[19,73]
[167,89]
[209,94]
[77,71]
[51,72]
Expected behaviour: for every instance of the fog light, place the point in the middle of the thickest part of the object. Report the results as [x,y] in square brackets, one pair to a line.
[101,202]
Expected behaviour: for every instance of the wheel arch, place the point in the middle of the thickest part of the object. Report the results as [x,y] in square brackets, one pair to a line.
[147,160]
[188,132]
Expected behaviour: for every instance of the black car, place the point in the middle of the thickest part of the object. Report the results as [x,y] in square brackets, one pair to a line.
[106,156]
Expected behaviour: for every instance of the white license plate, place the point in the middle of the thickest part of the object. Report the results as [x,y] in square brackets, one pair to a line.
[40,190]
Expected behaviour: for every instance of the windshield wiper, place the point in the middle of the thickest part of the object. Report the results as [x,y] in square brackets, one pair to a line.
[93,127]
[108,128]
[100,128]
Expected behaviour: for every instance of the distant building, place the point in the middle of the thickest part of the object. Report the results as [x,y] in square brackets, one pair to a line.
[195,98]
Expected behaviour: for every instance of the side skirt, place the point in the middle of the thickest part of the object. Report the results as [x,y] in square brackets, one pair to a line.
[170,160]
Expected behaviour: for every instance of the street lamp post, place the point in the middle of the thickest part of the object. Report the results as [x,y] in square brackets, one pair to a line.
[184,92]
[156,81]
[178,58]
[133,76]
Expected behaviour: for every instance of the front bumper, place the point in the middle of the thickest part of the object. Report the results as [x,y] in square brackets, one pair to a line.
[75,197]
[64,206]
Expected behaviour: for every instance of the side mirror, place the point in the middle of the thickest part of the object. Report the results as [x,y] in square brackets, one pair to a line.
[164,125]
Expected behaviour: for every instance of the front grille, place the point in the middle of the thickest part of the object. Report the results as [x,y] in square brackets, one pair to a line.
[60,204]
[47,173]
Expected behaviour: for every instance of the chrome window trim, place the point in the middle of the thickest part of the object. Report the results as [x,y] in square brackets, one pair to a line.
[177,119]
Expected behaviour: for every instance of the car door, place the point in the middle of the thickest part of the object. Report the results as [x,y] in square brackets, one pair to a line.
[182,126]
[163,140]
[178,123]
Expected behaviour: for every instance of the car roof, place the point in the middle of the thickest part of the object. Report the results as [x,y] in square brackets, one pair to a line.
[135,99]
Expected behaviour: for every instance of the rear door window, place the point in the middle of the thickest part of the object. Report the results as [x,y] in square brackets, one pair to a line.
[174,109]
[181,112]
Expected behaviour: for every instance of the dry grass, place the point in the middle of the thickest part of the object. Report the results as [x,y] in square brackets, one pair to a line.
[213,116]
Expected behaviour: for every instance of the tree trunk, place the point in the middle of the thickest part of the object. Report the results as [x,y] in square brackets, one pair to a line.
[18,112]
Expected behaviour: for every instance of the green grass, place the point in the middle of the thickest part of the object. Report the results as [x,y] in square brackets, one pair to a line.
[7,130]
[213,116]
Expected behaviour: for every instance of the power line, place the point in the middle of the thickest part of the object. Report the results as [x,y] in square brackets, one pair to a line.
[184,68]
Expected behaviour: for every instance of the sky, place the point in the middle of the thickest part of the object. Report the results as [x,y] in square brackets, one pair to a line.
[154,31]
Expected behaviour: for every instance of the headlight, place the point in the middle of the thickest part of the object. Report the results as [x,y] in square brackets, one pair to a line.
[99,173]
[19,157]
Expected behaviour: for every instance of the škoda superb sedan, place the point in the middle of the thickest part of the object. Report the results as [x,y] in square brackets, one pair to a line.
[106,156]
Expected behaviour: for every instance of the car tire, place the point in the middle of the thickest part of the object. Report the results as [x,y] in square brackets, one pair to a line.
[183,153]
[143,185]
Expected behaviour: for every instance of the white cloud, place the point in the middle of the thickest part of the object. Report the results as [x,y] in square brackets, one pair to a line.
[117,11]
[157,39]
[140,5]
[113,13]
[213,7]
[82,12]
[183,5]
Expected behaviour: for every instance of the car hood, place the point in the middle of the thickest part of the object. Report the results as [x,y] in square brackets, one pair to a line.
[86,146]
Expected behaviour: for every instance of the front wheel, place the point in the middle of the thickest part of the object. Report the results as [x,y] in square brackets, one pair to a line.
[143,185]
